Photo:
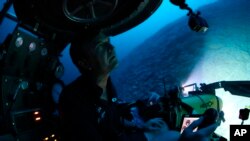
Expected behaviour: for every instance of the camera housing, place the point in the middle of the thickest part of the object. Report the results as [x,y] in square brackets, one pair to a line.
[197,23]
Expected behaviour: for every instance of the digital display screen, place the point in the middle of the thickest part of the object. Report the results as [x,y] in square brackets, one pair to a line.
[187,121]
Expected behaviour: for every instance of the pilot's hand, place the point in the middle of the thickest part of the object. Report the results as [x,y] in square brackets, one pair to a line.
[156,129]
[155,124]
[201,134]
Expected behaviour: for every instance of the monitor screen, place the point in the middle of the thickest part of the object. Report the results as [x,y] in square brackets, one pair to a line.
[187,120]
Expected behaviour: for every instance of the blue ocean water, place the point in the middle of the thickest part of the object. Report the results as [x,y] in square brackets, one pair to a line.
[178,56]
[125,42]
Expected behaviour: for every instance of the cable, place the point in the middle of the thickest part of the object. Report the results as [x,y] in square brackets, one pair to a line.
[242,122]
[21,86]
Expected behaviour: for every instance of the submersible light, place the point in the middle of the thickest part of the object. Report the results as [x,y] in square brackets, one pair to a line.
[197,23]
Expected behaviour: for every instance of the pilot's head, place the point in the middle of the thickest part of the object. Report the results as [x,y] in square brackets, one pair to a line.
[93,54]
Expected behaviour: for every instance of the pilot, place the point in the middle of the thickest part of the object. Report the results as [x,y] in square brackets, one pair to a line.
[89,108]
[88,105]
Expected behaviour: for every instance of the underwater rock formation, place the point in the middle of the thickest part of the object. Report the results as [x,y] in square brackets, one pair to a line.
[176,53]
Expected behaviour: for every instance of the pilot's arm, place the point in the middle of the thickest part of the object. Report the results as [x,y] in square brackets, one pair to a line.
[77,122]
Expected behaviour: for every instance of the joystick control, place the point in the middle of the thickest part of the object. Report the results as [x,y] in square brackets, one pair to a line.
[210,117]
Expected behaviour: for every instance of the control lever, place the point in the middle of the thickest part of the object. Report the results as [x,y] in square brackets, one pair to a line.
[211,116]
